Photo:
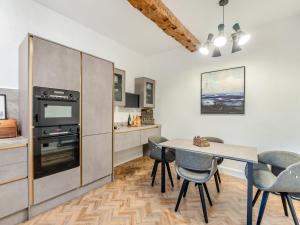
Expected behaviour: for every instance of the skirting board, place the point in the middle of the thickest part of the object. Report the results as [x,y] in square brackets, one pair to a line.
[124,156]
[232,172]
[40,208]
[14,219]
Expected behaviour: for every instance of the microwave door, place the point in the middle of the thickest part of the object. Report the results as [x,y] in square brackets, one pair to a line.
[52,113]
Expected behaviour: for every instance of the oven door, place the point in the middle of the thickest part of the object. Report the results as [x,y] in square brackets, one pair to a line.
[55,154]
[53,113]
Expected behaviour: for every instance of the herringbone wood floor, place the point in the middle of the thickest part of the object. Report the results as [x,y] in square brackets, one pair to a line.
[130,200]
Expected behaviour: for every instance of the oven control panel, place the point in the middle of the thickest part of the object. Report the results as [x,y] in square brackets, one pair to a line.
[55,94]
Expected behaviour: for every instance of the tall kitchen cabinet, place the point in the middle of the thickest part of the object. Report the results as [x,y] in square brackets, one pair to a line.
[97,117]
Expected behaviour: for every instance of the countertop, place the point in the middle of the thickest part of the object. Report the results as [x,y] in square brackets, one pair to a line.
[124,129]
[13,142]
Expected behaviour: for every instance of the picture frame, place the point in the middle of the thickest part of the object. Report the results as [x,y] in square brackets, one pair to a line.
[223,91]
[3,110]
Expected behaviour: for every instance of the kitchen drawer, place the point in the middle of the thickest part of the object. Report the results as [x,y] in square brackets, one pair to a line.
[13,197]
[127,140]
[12,172]
[13,156]
[56,184]
[145,134]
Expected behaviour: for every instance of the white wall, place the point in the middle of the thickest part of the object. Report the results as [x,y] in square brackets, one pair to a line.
[271,121]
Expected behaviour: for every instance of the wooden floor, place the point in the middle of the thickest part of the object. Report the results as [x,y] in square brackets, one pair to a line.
[131,200]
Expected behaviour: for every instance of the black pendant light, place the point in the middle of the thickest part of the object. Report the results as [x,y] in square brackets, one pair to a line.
[238,39]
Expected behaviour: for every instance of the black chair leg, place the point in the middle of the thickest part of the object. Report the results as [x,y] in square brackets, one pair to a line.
[200,186]
[292,209]
[170,174]
[153,169]
[283,199]
[154,172]
[217,182]
[185,182]
[219,177]
[262,207]
[186,189]
[258,192]
[207,194]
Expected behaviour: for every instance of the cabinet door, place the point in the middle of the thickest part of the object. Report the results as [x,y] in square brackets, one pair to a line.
[55,66]
[145,87]
[97,83]
[96,157]
[145,134]
[13,197]
[119,86]
[126,140]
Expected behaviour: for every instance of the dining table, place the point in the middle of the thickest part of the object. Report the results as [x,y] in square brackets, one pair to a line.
[227,151]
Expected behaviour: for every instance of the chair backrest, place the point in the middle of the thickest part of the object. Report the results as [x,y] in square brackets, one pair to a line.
[288,180]
[193,161]
[214,139]
[153,141]
[280,159]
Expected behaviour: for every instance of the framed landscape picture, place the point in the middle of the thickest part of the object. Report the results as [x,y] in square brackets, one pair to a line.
[223,91]
[2,107]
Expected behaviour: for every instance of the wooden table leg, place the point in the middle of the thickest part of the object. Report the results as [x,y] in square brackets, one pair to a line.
[249,193]
[163,168]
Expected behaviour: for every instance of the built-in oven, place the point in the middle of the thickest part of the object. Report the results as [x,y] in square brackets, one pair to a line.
[56,149]
[53,107]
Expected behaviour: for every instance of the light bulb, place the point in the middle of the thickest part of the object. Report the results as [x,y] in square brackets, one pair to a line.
[220,41]
[243,39]
[204,50]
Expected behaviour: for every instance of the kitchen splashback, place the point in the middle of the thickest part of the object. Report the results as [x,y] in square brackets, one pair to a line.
[12,102]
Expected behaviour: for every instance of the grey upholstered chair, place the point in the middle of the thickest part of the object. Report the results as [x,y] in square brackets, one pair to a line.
[198,168]
[277,172]
[219,161]
[155,154]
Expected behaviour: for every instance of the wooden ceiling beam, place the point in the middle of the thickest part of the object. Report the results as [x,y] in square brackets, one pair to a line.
[160,14]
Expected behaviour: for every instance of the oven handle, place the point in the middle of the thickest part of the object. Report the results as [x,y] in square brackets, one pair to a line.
[57,136]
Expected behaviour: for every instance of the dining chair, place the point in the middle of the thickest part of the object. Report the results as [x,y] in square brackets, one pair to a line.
[287,182]
[155,154]
[197,168]
[273,163]
[219,161]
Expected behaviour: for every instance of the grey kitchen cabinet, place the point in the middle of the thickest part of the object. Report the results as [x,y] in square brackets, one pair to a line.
[145,87]
[55,66]
[145,134]
[119,87]
[56,184]
[96,157]
[127,140]
[13,197]
[97,84]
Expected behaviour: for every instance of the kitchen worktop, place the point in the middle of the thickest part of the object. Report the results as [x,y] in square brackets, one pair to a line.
[124,129]
[12,142]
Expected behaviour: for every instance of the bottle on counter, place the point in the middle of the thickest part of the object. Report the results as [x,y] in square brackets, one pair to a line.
[129,120]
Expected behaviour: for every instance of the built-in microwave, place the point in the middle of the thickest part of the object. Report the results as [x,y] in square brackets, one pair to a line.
[53,107]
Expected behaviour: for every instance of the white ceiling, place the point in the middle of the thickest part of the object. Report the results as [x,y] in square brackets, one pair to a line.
[118,20]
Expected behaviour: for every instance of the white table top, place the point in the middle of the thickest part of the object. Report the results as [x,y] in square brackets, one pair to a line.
[233,152]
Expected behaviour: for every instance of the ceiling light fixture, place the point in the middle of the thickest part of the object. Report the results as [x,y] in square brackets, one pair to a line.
[204,49]
[238,39]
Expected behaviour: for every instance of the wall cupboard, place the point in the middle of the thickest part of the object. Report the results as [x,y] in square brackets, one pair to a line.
[119,87]
[55,66]
[145,87]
